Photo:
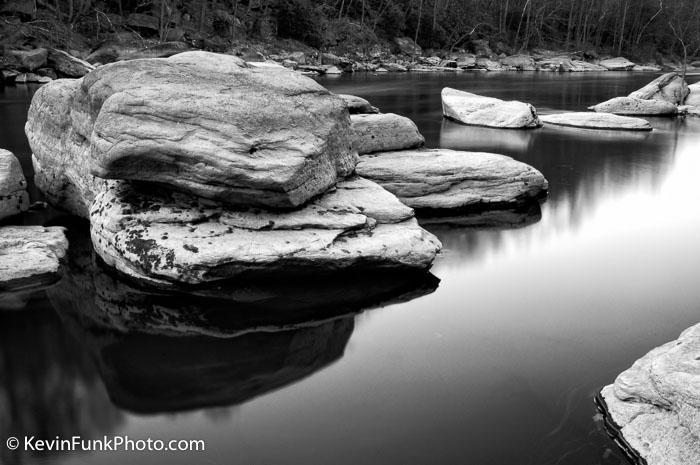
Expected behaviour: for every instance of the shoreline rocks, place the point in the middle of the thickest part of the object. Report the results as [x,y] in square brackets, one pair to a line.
[14,198]
[604,121]
[472,109]
[30,256]
[654,406]
[442,179]
[384,132]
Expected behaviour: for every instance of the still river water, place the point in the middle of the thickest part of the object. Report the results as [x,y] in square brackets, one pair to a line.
[495,364]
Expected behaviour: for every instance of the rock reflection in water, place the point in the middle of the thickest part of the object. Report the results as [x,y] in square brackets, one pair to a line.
[166,352]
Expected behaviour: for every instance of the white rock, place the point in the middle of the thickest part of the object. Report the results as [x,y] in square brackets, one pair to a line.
[617,64]
[30,255]
[597,121]
[441,179]
[384,132]
[473,109]
[13,187]
[635,106]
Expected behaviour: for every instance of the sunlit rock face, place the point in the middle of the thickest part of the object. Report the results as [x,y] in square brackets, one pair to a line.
[605,121]
[166,237]
[636,106]
[30,256]
[654,406]
[668,88]
[203,123]
[477,110]
[441,179]
[13,187]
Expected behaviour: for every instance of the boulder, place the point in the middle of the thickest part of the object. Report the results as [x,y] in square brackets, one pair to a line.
[442,179]
[407,46]
[357,105]
[30,256]
[13,187]
[597,121]
[473,109]
[30,60]
[206,124]
[693,99]
[635,106]
[68,65]
[669,88]
[654,407]
[617,64]
[384,132]
[163,238]
[519,62]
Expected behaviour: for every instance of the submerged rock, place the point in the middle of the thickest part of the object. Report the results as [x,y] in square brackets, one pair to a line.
[14,198]
[163,238]
[357,105]
[384,132]
[669,88]
[654,406]
[30,256]
[617,64]
[635,106]
[473,109]
[597,121]
[442,179]
[208,125]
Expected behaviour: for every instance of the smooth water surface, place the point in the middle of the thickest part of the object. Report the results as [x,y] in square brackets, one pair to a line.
[497,364]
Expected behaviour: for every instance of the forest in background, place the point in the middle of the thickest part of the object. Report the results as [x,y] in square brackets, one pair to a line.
[642,29]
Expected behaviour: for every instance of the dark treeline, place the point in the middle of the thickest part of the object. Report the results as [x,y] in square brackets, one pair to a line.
[641,28]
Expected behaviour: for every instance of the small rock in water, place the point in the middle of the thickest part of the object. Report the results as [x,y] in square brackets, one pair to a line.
[384,132]
[473,109]
[13,187]
[30,256]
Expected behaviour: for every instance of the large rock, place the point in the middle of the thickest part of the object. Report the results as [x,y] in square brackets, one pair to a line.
[617,64]
[13,187]
[357,105]
[669,88]
[473,109]
[68,65]
[30,256]
[384,132]
[565,64]
[205,124]
[442,179]
[635,106]
[407,46]
[30,60]
[654,407]
[597,121]
[160,237]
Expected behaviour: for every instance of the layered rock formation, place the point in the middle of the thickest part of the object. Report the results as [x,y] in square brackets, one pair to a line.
[13,187]
[384,132]
[442,179]
[597,121]
[473,109]
[654,407]
[220,170]
[30,256]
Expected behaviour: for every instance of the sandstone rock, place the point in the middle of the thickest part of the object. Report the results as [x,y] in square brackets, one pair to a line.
[473,109]
[357,105]
[164,238]
[617,64]
[655,405]
[68,65]
[30,256]
[693,99]
[565,64]
[407,46]
[442,179]
[520,62]
[13,187]
[597,121]
[30,60]
[669,88]
[207,124]
[384,132]
[635,106]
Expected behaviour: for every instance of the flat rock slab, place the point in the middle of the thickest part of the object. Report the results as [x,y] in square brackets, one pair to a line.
[442,179]
[635,106]
[473,109]
[13,187]
[384,132]
[202,123]
[163,238]
[30,256]
[597,121]
[655,405]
